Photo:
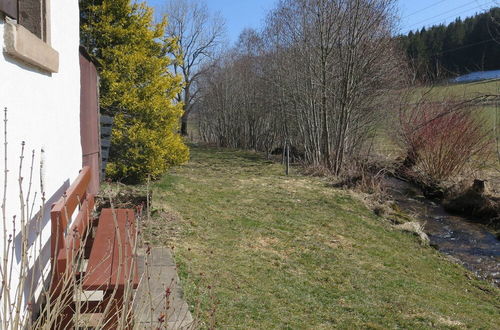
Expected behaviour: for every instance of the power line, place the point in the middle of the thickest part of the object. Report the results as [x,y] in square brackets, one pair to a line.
[421,10]
[454,15]
[444,19]
[495,22]
[459,7]
[495,2]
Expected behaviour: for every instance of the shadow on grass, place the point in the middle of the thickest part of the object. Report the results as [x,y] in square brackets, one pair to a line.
[228,156]
[167,182]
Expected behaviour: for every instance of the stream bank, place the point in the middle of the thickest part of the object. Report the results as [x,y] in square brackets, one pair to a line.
[469,242]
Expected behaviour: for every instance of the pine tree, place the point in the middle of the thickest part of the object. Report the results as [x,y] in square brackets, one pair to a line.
[460,47]
[137,88]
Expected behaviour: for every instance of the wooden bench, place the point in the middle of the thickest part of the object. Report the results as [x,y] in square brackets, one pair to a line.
[106,244]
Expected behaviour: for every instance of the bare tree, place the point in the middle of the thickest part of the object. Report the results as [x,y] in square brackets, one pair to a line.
[199,33]
[318,78]
[337,62]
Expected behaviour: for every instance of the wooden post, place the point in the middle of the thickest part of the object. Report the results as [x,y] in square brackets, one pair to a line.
[496,126]
[287,171]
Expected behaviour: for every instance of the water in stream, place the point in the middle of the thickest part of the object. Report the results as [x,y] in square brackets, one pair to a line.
[470,243]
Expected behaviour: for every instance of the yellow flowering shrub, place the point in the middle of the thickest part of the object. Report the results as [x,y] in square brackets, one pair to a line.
[137,87]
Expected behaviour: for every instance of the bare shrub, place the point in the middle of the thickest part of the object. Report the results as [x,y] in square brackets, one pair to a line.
[440,139]
[317,170]
[365,177]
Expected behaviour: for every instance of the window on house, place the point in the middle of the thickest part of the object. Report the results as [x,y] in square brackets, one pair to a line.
[31,14]
[27,32]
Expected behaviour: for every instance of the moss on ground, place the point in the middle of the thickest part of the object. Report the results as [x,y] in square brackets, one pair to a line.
[259,250]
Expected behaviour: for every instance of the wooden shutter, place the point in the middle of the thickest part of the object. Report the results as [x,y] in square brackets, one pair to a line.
[89,120]
[9,7]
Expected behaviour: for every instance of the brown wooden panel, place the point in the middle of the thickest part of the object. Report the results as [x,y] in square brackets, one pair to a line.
[124,268]
[75,235]
[9,7]
[111,261]
[98,273]
[63,209]
[89,121]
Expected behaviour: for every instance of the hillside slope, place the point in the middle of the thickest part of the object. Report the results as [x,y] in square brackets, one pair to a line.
[258,250]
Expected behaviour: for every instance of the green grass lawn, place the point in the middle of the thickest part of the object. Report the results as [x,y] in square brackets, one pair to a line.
[259,250]
[466,90]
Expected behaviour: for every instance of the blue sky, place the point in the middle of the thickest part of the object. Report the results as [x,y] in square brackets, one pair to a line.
[414,14]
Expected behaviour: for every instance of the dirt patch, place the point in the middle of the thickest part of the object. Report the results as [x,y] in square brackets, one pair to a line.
[161,227]
[335,241]
[264,244]
[122,196]
[437,319]
[448,322]
[266,241]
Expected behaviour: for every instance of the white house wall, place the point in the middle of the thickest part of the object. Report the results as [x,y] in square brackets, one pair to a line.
[43,111]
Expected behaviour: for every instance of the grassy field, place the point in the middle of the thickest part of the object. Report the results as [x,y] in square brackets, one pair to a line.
[466,90]
[259,250]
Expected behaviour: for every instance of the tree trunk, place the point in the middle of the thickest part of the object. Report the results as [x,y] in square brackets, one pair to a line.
[184,123]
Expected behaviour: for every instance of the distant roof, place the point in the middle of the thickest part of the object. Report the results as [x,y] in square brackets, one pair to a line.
[478,75]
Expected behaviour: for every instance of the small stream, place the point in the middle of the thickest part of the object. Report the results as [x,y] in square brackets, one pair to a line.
[470,243]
